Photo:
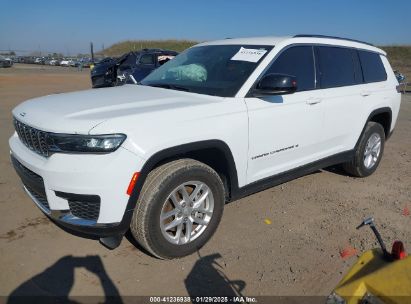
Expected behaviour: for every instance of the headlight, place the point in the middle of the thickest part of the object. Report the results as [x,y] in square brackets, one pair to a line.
[85,143]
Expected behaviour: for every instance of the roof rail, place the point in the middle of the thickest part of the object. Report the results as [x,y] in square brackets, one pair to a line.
[331,37]
[152,50]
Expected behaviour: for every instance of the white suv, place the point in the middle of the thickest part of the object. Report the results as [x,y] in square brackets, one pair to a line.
[222,120]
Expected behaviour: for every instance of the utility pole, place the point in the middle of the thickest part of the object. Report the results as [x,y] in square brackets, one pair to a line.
[91,51]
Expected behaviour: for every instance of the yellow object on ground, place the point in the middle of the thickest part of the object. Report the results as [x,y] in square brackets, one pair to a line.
[268,221]
[372,275]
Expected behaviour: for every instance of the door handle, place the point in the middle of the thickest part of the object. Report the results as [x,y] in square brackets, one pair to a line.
[365,93]
[313,101]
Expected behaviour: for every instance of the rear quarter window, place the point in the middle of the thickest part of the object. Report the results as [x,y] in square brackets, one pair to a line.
[372,67]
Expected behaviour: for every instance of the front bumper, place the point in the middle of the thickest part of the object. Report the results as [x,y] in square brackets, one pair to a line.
[82,192]
[102,80]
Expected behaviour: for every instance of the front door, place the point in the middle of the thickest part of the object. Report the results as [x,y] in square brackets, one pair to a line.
[286,131]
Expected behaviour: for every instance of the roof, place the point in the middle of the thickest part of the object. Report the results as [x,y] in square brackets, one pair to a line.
[269,40]
[283,40]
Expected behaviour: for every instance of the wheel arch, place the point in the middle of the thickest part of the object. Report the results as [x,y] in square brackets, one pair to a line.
[382,116]
[214,153]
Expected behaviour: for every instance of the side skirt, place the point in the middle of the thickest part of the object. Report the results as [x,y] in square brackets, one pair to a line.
[291,174]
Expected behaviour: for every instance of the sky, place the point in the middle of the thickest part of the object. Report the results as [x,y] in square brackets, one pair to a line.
[69,26]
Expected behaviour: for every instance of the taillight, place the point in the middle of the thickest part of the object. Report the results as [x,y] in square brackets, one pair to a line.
[398,251]
[132,183]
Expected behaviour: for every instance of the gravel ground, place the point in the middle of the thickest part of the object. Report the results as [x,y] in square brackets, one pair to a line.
[286,240]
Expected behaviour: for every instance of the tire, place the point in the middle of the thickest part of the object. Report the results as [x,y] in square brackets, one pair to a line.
[156,195]
[359,167]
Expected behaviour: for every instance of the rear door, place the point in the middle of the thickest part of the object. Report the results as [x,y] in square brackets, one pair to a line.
[342,91]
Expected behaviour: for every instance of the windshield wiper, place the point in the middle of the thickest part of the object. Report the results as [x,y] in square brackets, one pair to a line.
[169,86]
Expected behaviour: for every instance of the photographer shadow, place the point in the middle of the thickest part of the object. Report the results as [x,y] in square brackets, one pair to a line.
[207,278]
[54,284]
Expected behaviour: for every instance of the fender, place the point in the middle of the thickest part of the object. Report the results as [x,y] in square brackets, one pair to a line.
[170,153]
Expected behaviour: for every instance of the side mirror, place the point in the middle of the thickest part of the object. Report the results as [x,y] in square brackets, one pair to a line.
[275,84]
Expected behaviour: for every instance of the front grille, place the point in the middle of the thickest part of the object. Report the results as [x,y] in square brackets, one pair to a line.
[85,210]
[34,139]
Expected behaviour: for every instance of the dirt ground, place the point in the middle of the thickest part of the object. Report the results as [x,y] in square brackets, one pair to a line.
[286,240]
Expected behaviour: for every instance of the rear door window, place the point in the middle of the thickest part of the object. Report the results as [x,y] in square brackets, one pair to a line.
[297,61]
[372,66]
[130,60]
[337,67]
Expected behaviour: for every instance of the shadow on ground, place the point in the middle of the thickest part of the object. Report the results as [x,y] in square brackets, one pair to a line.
[337,169]
[208,279]
[53,285]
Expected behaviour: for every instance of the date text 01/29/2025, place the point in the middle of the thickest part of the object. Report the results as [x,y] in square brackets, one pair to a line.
[205,299]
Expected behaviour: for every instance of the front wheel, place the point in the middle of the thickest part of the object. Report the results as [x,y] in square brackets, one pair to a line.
[179,208]
[369,151]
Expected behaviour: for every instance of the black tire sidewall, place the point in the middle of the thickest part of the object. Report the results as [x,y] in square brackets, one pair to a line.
[370,130]
[157,241]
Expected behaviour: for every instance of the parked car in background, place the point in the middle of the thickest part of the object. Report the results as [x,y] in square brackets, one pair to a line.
[104,73]
[86,62]
[5,62]
[402,81]
[27,59]
[54,62]
[400,77]
[133,71]
[65,62]
[74,63]
[129,68]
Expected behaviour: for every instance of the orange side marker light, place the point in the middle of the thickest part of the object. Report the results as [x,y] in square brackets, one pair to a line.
[133,182]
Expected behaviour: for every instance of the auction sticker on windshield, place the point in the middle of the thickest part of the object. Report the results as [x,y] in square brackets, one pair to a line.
[251,55]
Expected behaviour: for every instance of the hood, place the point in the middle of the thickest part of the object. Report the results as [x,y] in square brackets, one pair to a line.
[79,112]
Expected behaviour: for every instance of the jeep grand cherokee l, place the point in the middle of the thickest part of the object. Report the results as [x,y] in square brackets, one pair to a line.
[222,120]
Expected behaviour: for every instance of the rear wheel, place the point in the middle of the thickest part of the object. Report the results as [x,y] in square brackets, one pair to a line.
[369,151]
[179,209]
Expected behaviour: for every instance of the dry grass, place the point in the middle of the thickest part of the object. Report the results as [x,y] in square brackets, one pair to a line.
[135,45]
[400,58]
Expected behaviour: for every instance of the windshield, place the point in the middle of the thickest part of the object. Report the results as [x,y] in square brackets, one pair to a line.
[218,70]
